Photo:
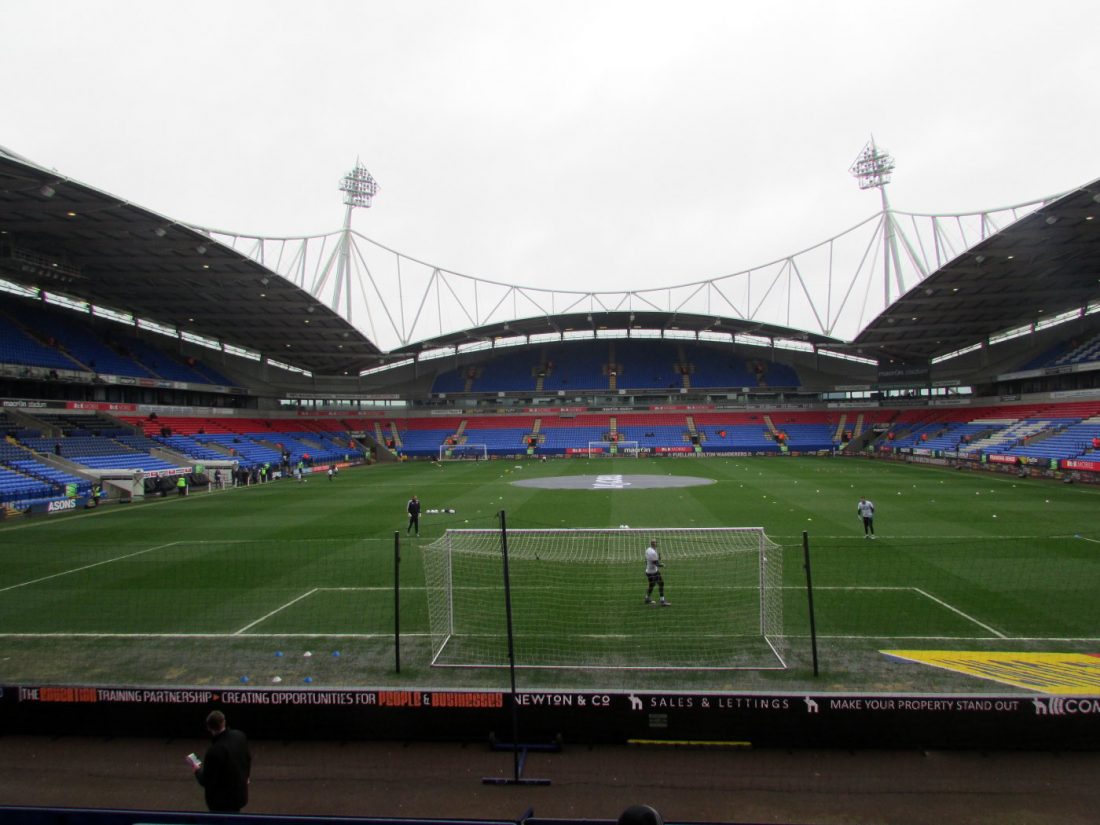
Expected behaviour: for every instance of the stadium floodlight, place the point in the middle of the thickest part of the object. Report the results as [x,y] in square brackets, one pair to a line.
[873,167]
[358,187]
[578,599]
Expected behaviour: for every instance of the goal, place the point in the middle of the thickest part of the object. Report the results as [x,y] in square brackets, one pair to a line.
[613,448]
[578,599]
[457,452]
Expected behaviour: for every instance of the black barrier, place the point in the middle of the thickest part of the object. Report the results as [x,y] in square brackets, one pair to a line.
[843,720]
[25,815]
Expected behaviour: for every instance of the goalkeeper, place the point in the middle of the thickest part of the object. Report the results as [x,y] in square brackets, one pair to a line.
[653,565]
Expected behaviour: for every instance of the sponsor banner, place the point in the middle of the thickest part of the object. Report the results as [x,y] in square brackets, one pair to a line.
[663,450]
[1062,394]
[196,412]
[338,396]
[98,405]
[175,471]
[582,450]
[936,462]
[57,505]
[323,468]
[29,404]
[631,702]
[551,410]
[455,700]
[1080,464]
[994,458]
[818,719]
[684,407]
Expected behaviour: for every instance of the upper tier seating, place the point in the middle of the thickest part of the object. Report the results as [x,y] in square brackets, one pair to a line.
[613,364]
[36,335]
[17,346]
[1067,352]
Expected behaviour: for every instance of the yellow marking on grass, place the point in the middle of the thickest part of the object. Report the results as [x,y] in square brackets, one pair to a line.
[1056,673]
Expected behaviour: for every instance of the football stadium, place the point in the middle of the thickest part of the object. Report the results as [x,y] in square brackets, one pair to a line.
[209,471]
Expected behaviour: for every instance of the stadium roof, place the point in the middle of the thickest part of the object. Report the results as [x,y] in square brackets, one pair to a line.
[595,322]
[1045,264]
[61,235]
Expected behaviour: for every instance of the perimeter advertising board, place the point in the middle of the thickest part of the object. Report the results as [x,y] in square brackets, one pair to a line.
[762,720]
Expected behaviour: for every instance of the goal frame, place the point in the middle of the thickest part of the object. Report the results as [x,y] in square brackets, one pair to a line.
[442,617]
[444,449]
[631,449]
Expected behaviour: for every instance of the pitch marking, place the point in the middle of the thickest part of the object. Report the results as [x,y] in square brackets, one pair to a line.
[86,567]
[958,612]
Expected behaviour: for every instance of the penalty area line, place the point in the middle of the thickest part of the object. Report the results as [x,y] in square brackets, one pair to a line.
[958,612]
[281,607]
[86,567]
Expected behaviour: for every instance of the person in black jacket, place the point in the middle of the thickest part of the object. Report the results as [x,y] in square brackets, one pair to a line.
[225,770]
[414,516]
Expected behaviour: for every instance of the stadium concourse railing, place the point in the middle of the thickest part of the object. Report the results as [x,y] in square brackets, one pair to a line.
[27,815]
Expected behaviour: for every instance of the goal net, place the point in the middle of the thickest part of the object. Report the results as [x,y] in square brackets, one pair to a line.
[579,599]
[613,448]
[458,452]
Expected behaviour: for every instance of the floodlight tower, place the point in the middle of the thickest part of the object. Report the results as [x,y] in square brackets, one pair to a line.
[358,187]
[873,168]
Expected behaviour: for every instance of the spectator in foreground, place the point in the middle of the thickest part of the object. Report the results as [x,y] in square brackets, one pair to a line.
[225,769]
[640,815]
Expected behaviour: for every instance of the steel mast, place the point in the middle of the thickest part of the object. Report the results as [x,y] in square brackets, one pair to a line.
[358,187]
[873,168]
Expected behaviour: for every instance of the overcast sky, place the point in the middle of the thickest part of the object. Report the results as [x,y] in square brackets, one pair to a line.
[588,145]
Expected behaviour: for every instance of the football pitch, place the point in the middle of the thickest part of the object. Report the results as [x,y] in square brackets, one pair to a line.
[293,584]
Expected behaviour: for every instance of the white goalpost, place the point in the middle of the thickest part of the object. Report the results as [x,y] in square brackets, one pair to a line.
[458,452]
[579,599]
[613,448]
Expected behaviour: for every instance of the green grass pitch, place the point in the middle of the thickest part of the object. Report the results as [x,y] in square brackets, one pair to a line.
[222,586]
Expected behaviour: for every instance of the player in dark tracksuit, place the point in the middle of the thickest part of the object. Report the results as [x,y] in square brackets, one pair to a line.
[414,516]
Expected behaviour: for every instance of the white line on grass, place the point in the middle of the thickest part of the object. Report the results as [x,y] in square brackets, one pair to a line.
[955,610]
[310,593]
[86,567]
[389,635]
[276,610]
